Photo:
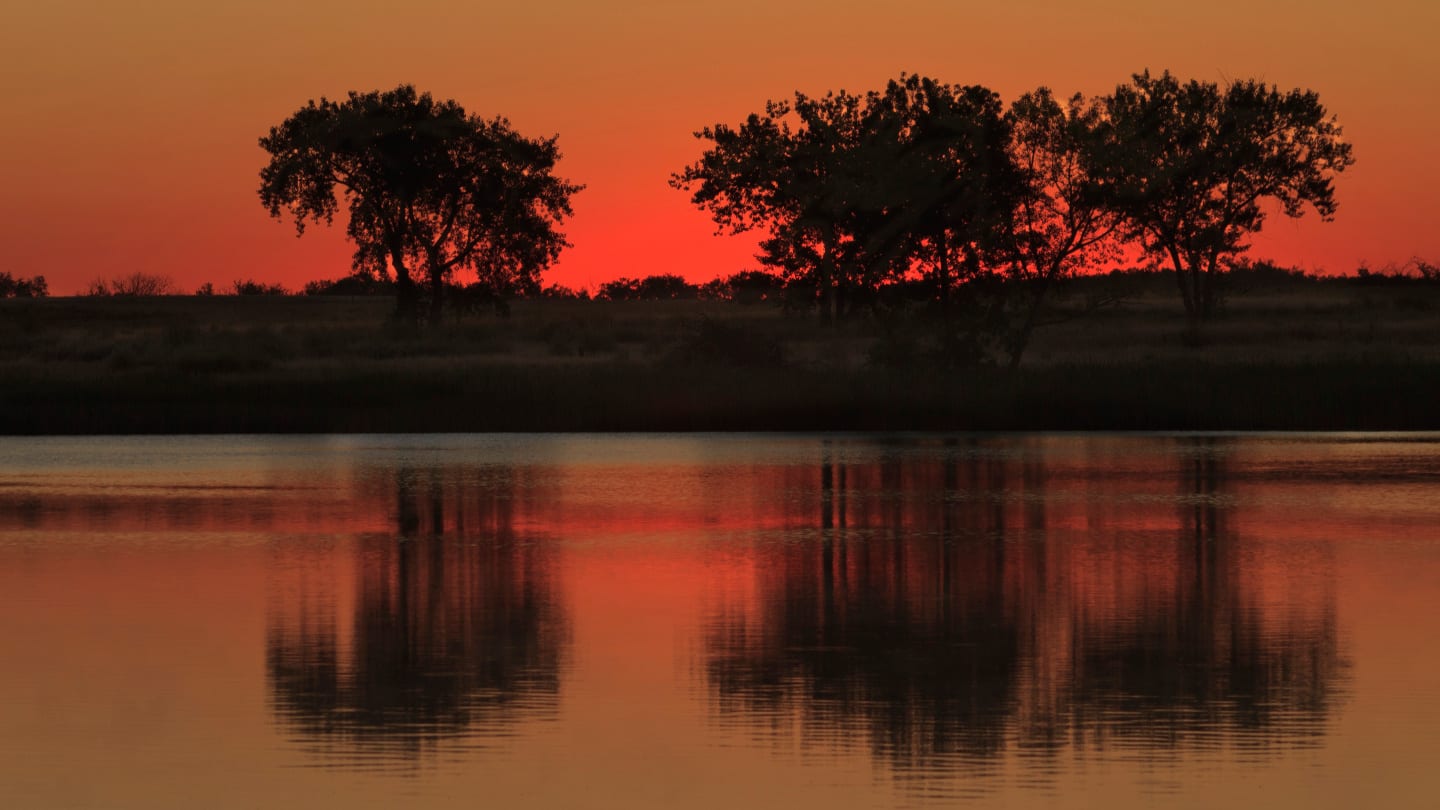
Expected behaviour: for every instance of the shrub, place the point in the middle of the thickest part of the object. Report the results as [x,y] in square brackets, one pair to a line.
[12,287]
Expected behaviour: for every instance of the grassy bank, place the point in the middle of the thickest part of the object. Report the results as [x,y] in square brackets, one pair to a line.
[1295,355]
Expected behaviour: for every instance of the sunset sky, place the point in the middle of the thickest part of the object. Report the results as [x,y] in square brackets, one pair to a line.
[129,138]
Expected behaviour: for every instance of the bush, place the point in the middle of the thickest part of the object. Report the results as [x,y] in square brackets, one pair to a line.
[252,287]
[134,284]
[650,288]
[355,284]
[12,287]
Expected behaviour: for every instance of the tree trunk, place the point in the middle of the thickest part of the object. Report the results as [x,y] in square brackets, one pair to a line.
[942,277]
[407,299]
[1190,295]
[828,276]
[1207,282]
[437,294]
[1021,339]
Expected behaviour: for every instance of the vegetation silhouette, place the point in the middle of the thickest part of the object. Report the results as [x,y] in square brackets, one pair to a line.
[1061,222]
[1191,165]
[1295,352]
[21,287]
[430,190]
[667,287]
[132,284]
[851,191]
[940,612]
[939,183]
[457,629]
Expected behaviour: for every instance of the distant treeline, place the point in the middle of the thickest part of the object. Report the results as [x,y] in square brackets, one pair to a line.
[19,287]
[746,287]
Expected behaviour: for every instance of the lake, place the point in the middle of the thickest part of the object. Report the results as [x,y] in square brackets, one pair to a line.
[720,621]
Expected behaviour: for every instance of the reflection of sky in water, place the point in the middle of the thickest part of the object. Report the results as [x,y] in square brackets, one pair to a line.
[1028,616]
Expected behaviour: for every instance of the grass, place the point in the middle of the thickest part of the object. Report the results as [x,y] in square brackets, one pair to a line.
[1293,354]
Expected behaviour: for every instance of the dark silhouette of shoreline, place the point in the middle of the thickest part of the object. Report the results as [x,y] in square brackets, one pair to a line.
[1285,353]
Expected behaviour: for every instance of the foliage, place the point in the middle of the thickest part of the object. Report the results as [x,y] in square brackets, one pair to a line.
[749,286]
[21,287]
[253,287]
[1062,220]
[132,284]
[1415,271]
[947,183]
[852,191]
[429,189]
[358,283]
[859,197]
[563,292]
[1192,166]
[664,287]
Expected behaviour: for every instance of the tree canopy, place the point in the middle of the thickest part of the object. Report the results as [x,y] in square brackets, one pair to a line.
[942,184]
[1191,167]
[853,191]
[429,190]
[1061,220]
[12,286]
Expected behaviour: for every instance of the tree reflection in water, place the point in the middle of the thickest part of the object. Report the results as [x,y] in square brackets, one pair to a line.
[456,630]
[944,608]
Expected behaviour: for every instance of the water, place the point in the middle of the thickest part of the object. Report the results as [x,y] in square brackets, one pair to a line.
[720,621]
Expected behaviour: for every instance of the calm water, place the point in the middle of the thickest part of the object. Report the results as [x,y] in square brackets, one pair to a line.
[789,622]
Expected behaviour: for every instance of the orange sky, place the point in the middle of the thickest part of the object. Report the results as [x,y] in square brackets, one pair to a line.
[129,130]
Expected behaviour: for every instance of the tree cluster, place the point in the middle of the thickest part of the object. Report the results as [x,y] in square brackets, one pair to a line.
[861,199]
[945,186]
[665,287]
[12,286]
[747,286]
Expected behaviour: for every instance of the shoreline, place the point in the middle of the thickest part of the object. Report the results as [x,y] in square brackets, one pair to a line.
[1383,397]
[1301,356]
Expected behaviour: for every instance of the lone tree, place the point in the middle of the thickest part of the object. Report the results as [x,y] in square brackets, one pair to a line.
[429,189]
[1193,166]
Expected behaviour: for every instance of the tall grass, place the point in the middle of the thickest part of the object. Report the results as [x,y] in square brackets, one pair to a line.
[1293,356]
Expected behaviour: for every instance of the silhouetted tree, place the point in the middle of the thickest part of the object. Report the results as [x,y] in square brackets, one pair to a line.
[650,288]
[564,293]
[1192,166]
[21,287]
[429,189]
[946,182]
[744,287]
[250,286]
[357,283]
[796,174]
[1062,219]
[749,286]
[133,284]
[854,192]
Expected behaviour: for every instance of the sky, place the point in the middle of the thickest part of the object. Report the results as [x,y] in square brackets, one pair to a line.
[128,141]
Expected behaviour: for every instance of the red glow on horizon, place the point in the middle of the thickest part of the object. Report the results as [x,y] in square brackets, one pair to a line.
[130,143]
